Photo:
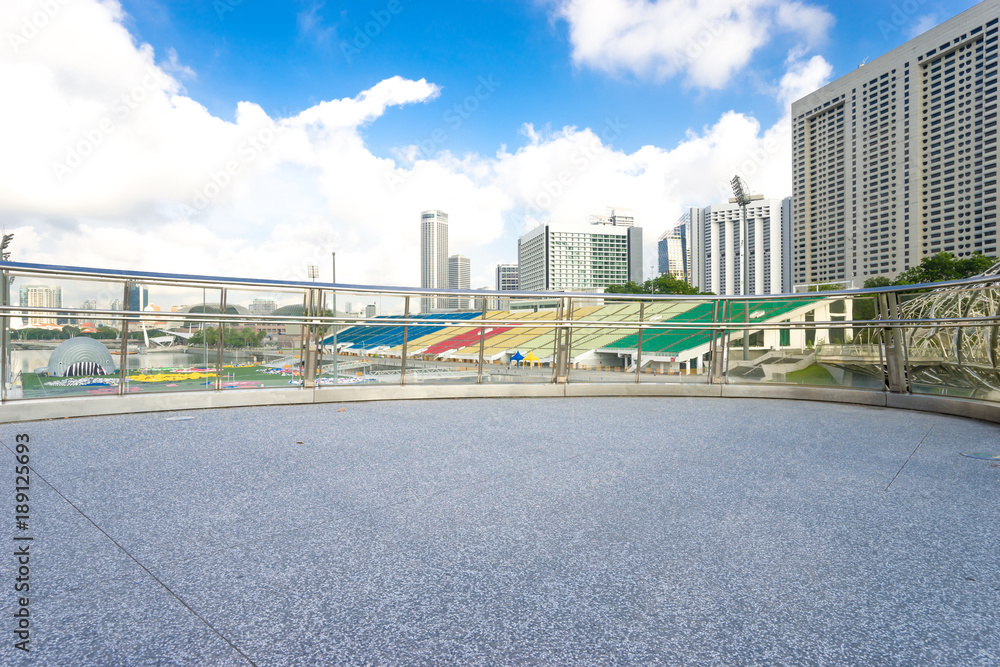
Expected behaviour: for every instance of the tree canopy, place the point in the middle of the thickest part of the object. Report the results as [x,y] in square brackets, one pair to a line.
[664,284]
[245,337]
[936,268]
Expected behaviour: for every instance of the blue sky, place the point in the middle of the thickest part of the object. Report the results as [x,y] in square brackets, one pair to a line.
[503,113]
[289,56]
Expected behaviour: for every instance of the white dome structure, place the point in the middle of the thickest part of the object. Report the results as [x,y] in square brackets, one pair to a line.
[81,356]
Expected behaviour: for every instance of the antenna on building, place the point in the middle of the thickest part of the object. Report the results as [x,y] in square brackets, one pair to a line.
[863,62]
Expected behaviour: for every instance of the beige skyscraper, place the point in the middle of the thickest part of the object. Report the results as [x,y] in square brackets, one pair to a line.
[433,256]
[897,160]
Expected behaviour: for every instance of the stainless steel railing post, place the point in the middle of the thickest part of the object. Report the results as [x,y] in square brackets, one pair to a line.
[638,350]
[406,331]
[123,352]
[220,348]
[4,344]
[482,342]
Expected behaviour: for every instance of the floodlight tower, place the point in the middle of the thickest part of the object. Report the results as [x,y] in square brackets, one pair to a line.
[742,198]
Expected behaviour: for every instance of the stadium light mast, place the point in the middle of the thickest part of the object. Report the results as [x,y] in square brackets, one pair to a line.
[742,197]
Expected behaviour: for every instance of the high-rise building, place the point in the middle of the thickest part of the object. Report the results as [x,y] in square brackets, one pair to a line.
[89,304]
[433,256]
[138,297]
[116,304]
[674,250]
[263,306]
[459,278]
[506,277]
[897,160]
[717,247]
[568,258]
[40,296]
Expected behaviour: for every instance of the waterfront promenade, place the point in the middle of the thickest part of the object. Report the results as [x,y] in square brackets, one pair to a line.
[510,531]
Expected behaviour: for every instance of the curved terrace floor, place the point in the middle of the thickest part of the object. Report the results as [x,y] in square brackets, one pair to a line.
[510,531]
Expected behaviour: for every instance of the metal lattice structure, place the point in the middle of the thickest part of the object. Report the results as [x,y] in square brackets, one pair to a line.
[969,350]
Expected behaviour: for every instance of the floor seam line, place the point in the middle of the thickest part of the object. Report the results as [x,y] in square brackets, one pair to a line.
[910,456]
[135,560]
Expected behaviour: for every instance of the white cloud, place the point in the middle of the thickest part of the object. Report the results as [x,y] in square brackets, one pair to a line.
[310,23]
[706,41]
[802,78]
[174,65]
[166,186]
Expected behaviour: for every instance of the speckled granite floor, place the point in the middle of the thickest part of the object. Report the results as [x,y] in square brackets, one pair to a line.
[510,531]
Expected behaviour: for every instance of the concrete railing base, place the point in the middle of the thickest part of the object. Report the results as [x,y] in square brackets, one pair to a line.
[91,406]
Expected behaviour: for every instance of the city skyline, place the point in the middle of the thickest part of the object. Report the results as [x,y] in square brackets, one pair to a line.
[256,164]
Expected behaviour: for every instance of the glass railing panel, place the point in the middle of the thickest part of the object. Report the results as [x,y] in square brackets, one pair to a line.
[443,344]
[518,341]
[364,345]
[601,344]
[41,340]
[99,310]
[176,340]
[808,339]
[946,358]
[676,347]
[262,339]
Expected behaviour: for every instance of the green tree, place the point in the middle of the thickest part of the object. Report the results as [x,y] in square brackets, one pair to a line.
[944,266]
[974,265]
[667,284]
[630,287]
[664,284]
[932,269]
[878,281]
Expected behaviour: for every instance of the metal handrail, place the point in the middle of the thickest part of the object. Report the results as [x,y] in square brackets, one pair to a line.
[898,336]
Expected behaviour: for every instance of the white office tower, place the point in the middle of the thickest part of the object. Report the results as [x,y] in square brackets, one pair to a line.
[569,258]
[717,236]
[897,160]
[40,296]
[459,278]
[433,257]
[507,277]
